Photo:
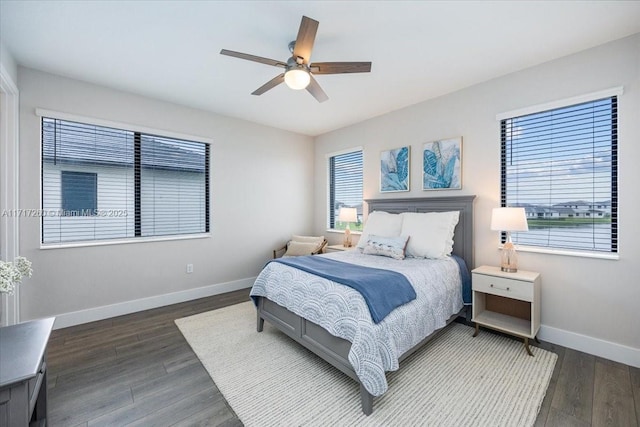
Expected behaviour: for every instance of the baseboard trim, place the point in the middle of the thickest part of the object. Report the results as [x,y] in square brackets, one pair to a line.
[597,347]
[104,312]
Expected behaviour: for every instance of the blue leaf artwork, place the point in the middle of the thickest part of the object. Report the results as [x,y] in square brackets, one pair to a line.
[441,165]
[394,170]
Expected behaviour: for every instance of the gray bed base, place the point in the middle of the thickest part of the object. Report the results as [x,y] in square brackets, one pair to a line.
[335,350]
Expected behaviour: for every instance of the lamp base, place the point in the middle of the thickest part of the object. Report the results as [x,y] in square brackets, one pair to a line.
[347,243]
[509,258]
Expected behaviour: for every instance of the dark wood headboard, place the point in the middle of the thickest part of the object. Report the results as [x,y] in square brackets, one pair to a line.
[463,235]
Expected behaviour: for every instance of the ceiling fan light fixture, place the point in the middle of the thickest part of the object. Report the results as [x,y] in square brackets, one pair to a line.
[297,78]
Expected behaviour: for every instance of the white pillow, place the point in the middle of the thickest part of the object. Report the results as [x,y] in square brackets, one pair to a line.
[392,247]
[300,248]
[380,224]
[317,240]
[430,233]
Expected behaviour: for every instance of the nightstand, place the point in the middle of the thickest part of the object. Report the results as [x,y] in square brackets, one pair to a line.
[338,248]
[507,302]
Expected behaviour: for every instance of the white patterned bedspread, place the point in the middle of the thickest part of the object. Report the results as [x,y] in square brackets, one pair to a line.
[343,312]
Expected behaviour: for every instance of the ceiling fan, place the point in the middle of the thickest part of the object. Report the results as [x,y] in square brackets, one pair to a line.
[298,72]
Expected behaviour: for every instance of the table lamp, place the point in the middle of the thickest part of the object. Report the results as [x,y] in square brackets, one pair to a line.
[508,220]
[347,215]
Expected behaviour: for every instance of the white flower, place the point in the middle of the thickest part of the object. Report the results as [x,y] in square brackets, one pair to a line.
[11,273]
[23,265]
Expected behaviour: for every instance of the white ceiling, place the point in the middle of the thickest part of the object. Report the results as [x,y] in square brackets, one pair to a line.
[169,50]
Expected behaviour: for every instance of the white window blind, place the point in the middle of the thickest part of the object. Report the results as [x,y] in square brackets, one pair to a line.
[135,184]
[172,186]
[561,166]
[345,184]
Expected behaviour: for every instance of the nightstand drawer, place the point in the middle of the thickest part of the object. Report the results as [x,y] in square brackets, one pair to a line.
[509,288]
[34,385]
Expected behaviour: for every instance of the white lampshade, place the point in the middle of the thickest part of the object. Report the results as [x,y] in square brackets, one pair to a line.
[297,78]
[348,215]
[509,219]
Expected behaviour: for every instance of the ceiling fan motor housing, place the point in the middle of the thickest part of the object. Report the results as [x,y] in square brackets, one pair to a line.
[293,63]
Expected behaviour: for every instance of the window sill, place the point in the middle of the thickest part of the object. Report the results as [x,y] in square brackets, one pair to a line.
[123,241]
[568,252]
[333,230]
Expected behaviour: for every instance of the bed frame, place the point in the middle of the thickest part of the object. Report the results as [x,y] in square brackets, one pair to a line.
[335,350]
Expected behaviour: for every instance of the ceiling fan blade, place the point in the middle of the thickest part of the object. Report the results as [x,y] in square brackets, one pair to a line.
[253,58]
[269,85]
[305,39]
[315,90]
[340,67]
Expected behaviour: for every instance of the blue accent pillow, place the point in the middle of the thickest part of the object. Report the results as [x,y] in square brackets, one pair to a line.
[392,247]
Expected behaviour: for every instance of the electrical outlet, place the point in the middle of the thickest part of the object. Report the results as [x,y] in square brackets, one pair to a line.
[189,268]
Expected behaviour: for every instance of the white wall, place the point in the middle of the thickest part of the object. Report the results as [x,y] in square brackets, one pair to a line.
[589,304]
[260,179]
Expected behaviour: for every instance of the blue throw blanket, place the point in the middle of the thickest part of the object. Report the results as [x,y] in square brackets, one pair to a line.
[383,290]
[465,276]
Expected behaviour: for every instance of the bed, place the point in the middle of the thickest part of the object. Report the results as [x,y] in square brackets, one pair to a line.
[345,344]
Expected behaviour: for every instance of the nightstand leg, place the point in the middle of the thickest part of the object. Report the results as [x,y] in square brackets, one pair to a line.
[526,346]
[536,338]
[477,330]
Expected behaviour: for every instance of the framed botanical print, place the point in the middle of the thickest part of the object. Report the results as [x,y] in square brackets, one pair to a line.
[394,170]
[442,164]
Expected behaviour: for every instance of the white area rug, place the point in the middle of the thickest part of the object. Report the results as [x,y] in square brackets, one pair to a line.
[454,380]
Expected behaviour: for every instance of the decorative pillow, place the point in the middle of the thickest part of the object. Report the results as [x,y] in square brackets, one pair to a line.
[317,240]
[392,247]
[300,248]
[380,224]
[431,233]
[307,239]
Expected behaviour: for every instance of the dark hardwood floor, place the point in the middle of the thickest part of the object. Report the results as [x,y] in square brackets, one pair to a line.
[138,370]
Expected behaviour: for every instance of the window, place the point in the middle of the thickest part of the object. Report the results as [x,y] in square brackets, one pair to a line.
[561,166]
[345,187]
[102,183]
[79,193]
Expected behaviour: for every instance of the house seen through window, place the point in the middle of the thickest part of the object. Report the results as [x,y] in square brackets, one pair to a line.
[79,193]
[102,183]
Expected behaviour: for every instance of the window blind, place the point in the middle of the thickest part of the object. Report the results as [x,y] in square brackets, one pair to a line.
[135,184]
[561,166]
[71,147]
[345,184]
